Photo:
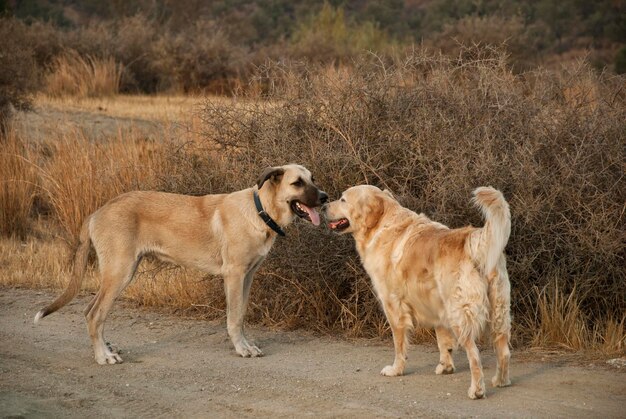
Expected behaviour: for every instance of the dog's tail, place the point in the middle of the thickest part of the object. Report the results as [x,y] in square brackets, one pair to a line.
[497,229]
[80,265]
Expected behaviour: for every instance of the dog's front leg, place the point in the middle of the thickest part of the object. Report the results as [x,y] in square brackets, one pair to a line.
[399,323]
[236,285]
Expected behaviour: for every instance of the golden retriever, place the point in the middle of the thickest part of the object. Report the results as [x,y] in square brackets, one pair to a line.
[427,274]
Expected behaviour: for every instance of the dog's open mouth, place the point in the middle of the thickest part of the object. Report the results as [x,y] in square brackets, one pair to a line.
[305,212]
[339,225]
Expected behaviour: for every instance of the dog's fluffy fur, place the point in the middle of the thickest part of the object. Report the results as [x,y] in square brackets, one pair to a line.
[424,272]
[218,234]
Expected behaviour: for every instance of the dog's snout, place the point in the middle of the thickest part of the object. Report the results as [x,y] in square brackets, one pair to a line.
[323,197]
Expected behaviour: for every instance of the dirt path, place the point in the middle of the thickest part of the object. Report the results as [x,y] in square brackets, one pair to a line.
[187,368]
[46,122]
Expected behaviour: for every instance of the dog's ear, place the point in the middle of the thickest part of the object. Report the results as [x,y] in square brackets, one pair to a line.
[372,211]
[270,172]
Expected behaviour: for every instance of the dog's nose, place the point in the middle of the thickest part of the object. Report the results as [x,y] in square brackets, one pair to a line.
[323,197]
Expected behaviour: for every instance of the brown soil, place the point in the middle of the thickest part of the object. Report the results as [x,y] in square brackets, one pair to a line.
[178,367]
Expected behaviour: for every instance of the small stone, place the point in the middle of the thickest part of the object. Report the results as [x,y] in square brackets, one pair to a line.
[617,362]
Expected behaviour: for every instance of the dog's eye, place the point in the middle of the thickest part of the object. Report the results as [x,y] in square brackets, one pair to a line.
[298,183]
[342,200]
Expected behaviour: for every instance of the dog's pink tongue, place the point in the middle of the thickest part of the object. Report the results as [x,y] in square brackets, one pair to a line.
[315,217]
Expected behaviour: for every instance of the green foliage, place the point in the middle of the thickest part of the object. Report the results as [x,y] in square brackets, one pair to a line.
[330,36]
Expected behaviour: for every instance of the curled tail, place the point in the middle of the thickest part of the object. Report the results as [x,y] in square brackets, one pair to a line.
[497,229]
[80,264]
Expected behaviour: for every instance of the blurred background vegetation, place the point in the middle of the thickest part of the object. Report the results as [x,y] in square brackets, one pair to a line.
[214,46]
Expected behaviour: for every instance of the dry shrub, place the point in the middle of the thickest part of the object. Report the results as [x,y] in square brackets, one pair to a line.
[511,34]
[199,58]
[18,185]
[130,41]
[134,45]
[157,57]
[83,76]
[95,39]
[432,129]
[18,72]
[25,52]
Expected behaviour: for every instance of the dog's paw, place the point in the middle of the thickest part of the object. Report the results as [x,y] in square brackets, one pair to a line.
[109,359]
[444,369]
[106,355]
[249,351]
[255,351]
[390,371]
[500,381]
[477,391]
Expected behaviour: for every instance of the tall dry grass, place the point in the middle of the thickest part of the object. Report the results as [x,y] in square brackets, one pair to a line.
[19,184]
[562,323]
[83,76]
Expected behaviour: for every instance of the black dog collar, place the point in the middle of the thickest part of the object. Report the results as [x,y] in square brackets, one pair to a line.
[265,216]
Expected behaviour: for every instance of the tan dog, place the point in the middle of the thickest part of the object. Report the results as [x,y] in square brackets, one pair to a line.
[453,280]
[218,234]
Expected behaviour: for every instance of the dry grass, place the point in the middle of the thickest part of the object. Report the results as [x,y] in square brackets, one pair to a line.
[18,185]
[37,263]
[562,324]
[44,263]
[83,76]
[162,109]
[430,129]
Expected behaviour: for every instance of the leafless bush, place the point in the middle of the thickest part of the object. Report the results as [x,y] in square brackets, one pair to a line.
[432,129]
[509,34]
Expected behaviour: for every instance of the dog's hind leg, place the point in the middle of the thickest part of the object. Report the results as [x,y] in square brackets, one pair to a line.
[470,311]
[445,342]
[115,273]
[477,388]
[500,302]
